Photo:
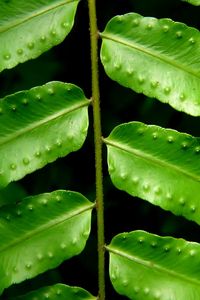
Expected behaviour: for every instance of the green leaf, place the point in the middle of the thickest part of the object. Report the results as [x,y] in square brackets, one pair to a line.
[159,58]
[29,28]
[58,291]
[41,232]
[193,2]
[145,266]
[38,126]
[158,165]
[12,194]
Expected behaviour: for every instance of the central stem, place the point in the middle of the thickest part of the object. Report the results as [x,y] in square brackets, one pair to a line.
[98,147]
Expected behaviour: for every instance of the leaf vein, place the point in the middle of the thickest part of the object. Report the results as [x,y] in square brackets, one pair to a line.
[42,122]
[154,160]
[153,54]
[47,226]
[152,265]
[36,14]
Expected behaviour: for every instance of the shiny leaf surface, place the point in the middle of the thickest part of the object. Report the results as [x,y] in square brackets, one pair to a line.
[144,266]
[159,58]
[38,126]
[58,291]
[41,232]
[158,165]
[29,28]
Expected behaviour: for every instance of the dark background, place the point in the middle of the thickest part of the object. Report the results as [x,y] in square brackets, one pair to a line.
[70,62]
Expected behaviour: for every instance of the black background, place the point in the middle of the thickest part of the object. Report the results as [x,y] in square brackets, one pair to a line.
[70,62]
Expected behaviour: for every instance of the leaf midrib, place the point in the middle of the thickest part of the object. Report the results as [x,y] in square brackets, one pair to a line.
[39,123]
[49,225]
[36,14]
[156,161]
[152,265]
[147,51]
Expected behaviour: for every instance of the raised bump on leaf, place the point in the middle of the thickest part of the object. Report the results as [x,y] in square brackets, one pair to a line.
[159,58]
[45,126]
[20,39]
[159,170]
[58,291]
[146,265]
[40,232]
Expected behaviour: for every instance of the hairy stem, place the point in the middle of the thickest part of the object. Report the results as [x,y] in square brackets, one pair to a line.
[98,146]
